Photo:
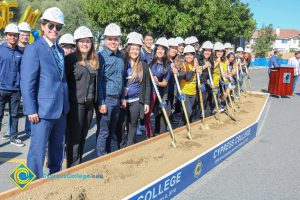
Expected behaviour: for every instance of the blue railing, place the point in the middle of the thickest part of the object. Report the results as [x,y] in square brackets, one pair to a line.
[264,62]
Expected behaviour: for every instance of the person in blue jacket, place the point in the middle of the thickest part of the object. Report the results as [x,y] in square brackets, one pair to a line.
[147,52]
[10,61]
[274,61]
[45,95]
[23,41]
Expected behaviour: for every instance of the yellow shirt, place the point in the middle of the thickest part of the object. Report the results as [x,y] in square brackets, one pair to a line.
[217,73]
[189,87]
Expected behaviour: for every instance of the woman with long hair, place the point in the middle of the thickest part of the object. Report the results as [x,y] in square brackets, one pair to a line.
[241,64]
[219,62]
[206,63]
[188,81]
[161,71]
[137,87]
[232,70]
[172,88]
[82,71]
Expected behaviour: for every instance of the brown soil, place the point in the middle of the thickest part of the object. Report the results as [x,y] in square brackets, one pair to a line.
[130,171]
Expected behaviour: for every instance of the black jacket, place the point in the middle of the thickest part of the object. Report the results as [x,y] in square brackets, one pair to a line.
[78,78]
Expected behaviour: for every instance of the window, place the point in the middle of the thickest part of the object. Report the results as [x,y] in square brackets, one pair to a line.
[284,41]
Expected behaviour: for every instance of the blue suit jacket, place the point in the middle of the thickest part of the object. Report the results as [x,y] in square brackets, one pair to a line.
[43,90]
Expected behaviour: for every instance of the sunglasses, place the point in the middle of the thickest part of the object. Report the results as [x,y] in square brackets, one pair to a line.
[57,27]
[13,35]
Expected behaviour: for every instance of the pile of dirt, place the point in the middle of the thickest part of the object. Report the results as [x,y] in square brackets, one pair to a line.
[132,170]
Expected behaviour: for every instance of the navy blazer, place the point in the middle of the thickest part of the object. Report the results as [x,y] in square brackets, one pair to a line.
[43,90]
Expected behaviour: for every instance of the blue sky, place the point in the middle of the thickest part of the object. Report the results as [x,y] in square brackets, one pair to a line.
[284,14]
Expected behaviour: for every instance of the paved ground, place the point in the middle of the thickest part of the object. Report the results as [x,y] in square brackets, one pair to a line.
[266,168]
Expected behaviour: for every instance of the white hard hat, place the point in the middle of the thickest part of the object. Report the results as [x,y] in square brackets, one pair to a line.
[24,26]
[193,40]
[132,34]
[189,49]
[112,29]
[247,50]
[229,52]
[53,14]
[141,36]
[173,42]
[66,39]
[187,41]
[179,40]
[134,39]
[218,46]
[227,45]
[162,41]
[207,45]
[11,28]
[239,49]
[82,32]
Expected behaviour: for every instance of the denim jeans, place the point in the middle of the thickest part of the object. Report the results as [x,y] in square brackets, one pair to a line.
[13,99]
[295,82]
[27,125]
[107,140]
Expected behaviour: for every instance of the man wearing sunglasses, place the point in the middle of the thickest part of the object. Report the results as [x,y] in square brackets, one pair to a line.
[45,95]
[10,61]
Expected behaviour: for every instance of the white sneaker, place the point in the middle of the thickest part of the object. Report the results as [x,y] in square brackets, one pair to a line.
[5,136]
[221,108]
[17,142]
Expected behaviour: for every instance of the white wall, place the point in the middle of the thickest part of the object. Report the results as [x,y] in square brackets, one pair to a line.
[292,43]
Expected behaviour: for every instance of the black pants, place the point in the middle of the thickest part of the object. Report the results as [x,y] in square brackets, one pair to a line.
[133,114]
[13,99]
[208,99]
[129,118]
[160,121]
[78,124]
[98,117]
[120,130]
[189,103]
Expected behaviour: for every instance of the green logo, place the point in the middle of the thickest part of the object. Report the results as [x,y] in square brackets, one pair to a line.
[22,176]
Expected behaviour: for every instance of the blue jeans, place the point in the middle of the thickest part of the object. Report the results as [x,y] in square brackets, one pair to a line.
[107,140]
[295,82]
[27,125]
[13,99]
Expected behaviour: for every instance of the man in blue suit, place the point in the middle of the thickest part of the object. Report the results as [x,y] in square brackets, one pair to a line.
[45,95]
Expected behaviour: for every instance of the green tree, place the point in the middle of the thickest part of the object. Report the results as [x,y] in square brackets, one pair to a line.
[207,19]
[264,42]
[72,9]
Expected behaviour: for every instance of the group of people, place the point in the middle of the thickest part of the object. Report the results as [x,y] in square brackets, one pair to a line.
[293,62]
[63,82]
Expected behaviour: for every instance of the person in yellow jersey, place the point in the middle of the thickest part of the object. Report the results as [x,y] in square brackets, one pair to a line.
[218,81]
[188,80]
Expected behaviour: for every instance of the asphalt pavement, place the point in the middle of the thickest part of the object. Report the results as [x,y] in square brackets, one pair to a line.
[268,167]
